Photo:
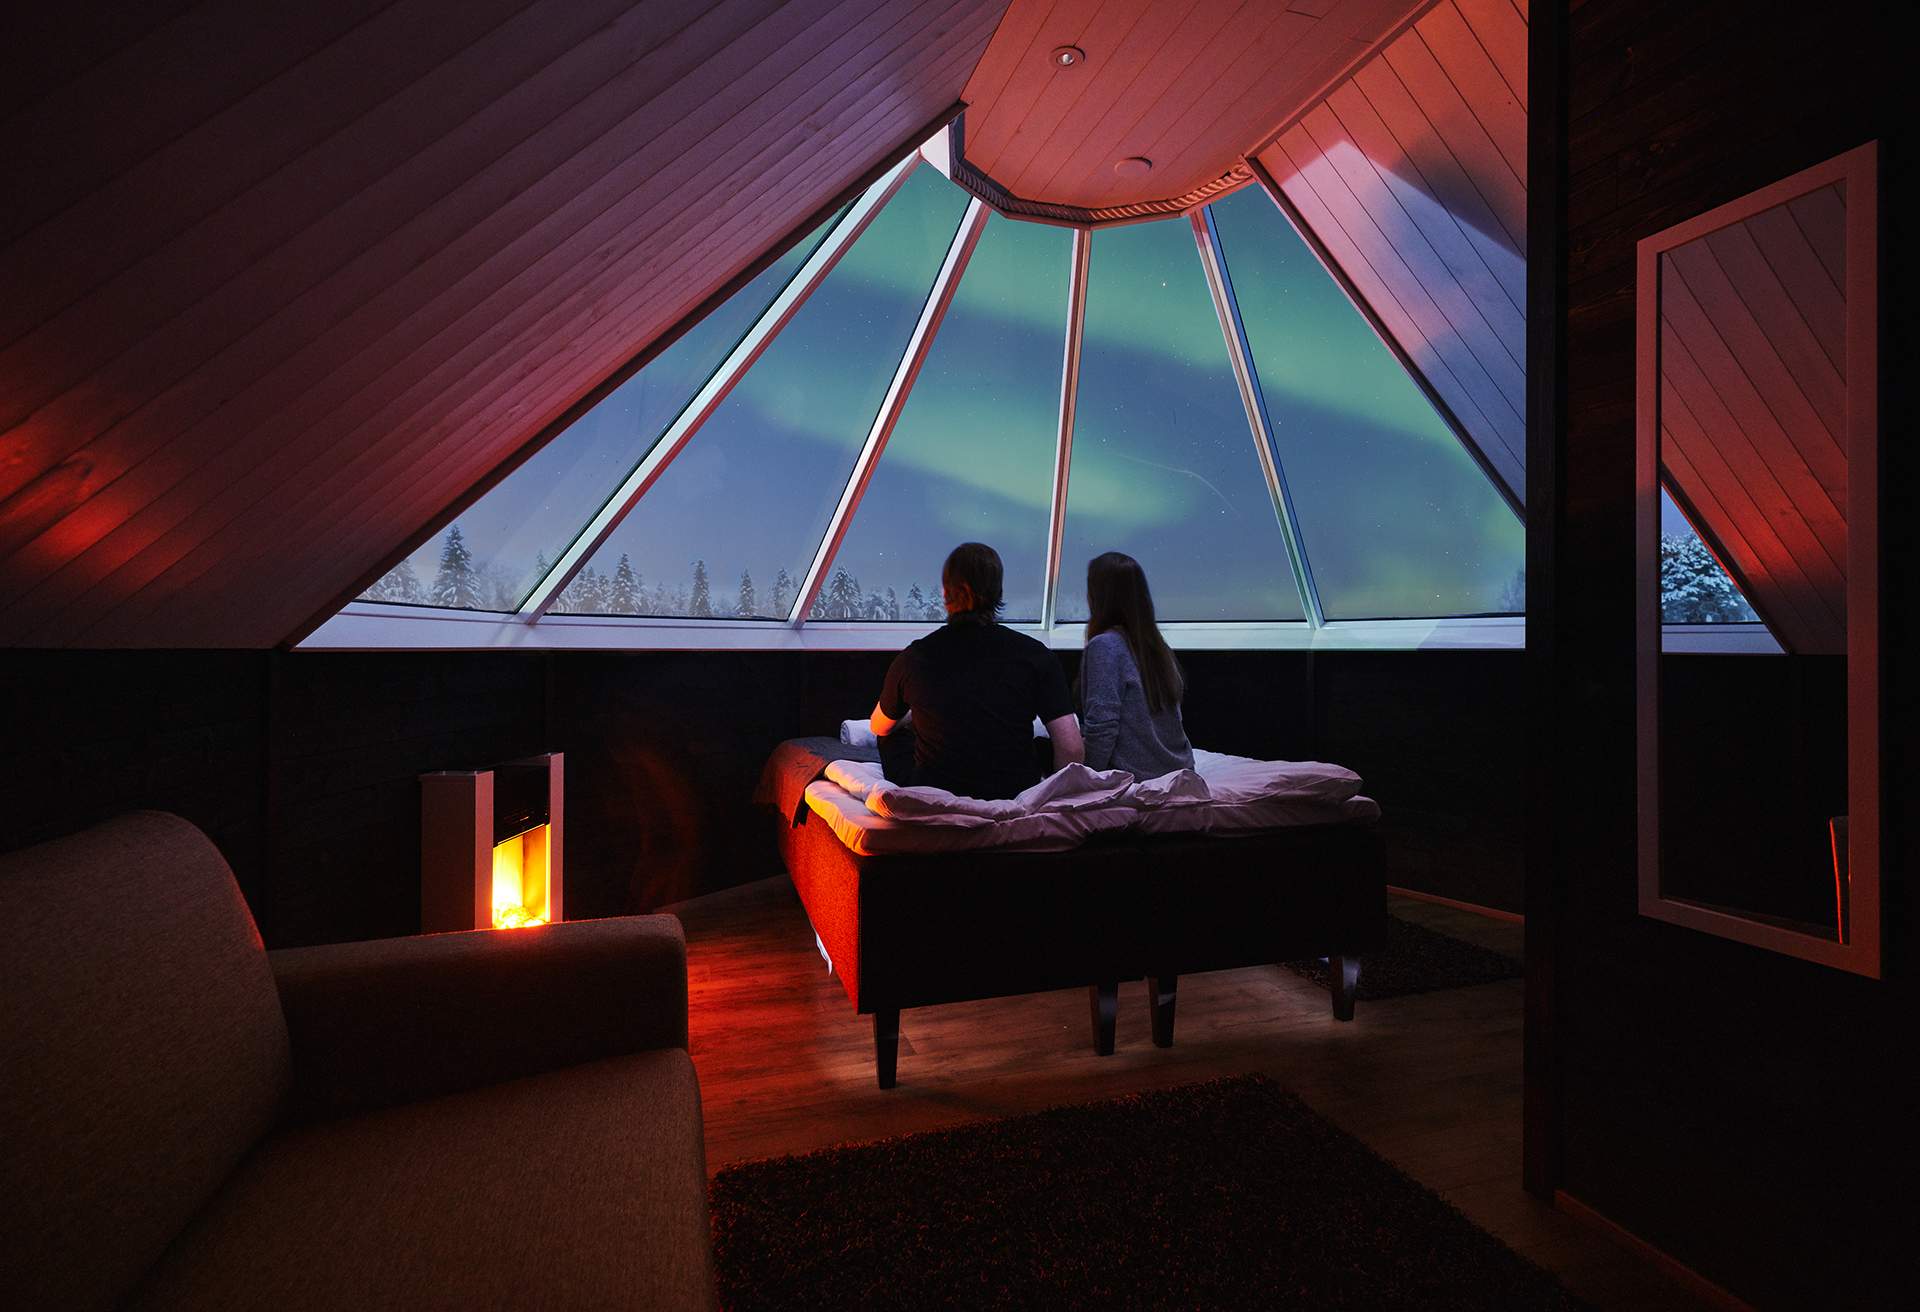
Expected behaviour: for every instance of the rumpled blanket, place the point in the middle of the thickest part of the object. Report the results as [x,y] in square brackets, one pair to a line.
[1216,777]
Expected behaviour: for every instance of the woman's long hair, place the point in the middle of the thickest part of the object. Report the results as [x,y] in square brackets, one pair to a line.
[1118,599]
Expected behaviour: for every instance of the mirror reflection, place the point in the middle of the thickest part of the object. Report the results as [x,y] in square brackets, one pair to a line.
[1752,535]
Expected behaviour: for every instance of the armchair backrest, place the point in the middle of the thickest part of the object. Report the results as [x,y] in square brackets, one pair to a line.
[142,1052]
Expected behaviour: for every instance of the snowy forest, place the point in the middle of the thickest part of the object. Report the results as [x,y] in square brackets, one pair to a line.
[464,584]
[1693,590]
[1693,587]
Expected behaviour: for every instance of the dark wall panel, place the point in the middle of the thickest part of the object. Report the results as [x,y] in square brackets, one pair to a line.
[1753,766]
[85,736]
[663,752]
[351,735]
[303,767]
[1734,1107]
[1440,738]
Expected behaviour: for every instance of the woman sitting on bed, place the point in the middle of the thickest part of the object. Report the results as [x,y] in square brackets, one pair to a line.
[974,688]
[1130,684]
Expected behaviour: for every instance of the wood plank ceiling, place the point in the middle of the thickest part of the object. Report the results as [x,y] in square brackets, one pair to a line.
[283,283]
[1413,174]
[1753,409]
[1191,86]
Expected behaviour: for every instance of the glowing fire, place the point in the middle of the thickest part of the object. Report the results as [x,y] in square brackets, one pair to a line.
[520,896]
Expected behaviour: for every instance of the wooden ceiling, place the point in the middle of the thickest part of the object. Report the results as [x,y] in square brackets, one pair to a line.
[1413,174]
[285,283]
[1193,86]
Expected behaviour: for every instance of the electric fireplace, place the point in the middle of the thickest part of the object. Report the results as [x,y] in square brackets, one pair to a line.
[490,846]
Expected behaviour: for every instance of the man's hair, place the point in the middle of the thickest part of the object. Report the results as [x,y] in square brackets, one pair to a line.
[971,580]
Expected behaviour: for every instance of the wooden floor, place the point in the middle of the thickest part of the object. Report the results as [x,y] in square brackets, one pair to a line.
[1431,1082]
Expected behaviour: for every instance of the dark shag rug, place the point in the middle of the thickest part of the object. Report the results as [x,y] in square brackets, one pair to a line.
[1418,960]
[1228,1194]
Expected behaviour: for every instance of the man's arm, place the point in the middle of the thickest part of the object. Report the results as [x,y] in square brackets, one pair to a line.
[1067,747]
[1056,708]
[892,693]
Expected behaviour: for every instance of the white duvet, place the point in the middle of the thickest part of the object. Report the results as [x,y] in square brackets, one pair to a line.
[1220,795]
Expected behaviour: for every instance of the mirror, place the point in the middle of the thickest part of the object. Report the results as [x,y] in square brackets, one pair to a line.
[1757,605]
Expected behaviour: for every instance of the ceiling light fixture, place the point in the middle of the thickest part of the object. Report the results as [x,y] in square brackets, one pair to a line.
[1134,166]
[1068,56]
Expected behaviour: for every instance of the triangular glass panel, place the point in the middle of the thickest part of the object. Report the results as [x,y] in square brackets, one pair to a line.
[497,549]
[1163,463]
[971,458]
[1694,587]
[732,524]
[1396,518]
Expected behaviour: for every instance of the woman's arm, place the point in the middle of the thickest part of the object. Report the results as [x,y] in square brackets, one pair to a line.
[880,722]
[1100,683]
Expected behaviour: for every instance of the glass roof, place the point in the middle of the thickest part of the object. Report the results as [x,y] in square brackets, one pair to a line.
[895,384]
[1163,463]
[1395,515]
[749,499]
[972,456]
[517,531]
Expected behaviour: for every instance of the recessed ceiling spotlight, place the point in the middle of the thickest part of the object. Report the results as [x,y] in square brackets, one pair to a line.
[1134,166]
[1068,56]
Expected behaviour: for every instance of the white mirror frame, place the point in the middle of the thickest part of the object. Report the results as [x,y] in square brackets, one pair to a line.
[1860,951]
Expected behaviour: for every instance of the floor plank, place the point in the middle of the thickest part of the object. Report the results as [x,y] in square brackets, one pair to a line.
[1431,1082]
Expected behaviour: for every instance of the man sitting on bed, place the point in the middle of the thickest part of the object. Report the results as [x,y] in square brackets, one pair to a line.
[974,688]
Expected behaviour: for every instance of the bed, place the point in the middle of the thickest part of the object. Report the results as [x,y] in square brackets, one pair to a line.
[916,929]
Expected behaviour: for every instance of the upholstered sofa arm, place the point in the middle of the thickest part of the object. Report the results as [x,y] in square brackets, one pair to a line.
[397,1020]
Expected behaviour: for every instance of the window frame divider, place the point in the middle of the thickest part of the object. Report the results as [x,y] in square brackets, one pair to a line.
[1069,404]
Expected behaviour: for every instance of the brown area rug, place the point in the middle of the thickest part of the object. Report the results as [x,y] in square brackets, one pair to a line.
[1418,960]
[1228,1194]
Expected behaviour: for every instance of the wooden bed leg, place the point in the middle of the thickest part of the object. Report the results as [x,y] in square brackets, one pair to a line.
[1104,1001]
[1160,998]
[886,1044]
[1345,982]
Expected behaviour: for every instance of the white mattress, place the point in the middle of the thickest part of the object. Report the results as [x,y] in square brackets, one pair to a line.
[1221,795]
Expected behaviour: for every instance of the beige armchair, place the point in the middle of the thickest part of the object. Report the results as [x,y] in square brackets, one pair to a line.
[493,1119]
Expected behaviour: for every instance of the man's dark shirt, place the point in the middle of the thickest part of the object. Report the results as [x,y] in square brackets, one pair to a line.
[974,688]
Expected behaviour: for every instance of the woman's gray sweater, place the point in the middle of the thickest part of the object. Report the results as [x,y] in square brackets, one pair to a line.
[1121,732]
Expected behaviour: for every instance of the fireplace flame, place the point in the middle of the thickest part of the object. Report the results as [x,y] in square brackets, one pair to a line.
[520,893]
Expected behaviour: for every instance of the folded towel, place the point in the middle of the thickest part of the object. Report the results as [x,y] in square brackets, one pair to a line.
[857,733]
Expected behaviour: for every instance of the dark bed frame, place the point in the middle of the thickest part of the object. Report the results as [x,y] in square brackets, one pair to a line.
[916,931]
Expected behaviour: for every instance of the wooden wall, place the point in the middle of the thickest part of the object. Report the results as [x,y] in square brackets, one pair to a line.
[1738,1109]
[303,766]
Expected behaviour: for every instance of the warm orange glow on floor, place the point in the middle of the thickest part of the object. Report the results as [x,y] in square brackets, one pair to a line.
[520,870]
